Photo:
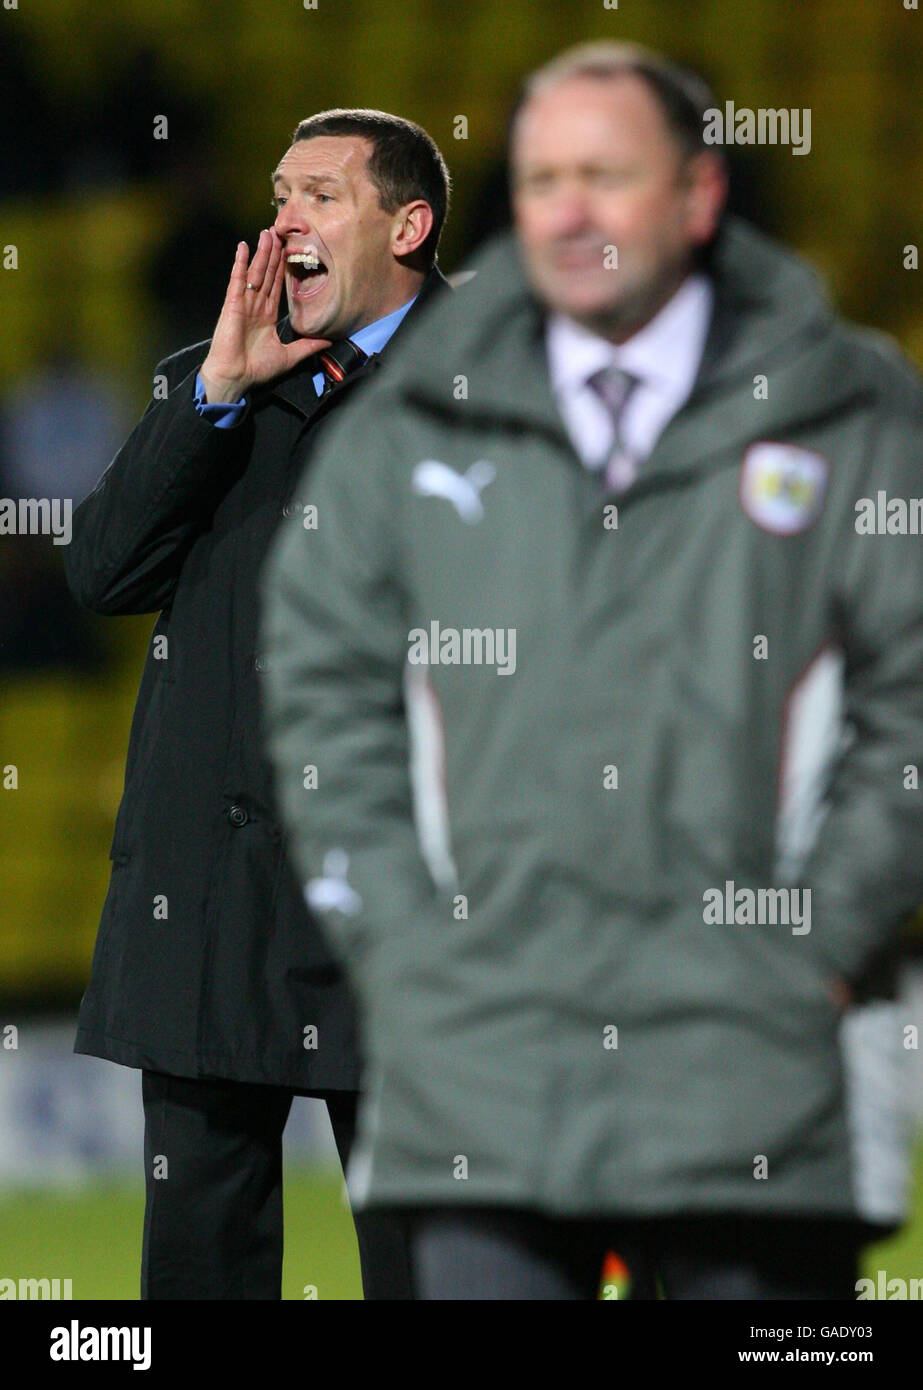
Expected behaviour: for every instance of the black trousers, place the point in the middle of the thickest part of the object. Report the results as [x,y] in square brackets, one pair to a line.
[505,1254]
[213,1179]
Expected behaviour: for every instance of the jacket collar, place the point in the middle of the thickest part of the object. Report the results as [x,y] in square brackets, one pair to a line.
[297,387]
[770,316]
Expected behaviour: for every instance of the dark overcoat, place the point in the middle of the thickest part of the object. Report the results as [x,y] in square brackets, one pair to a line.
[207,962]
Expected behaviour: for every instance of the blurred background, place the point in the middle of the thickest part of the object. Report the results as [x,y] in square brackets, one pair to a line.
[122,241]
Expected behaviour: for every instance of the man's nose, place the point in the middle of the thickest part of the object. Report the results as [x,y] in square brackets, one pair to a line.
[291,219]
[569,213]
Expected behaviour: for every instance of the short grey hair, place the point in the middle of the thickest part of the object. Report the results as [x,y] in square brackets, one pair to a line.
[683,96]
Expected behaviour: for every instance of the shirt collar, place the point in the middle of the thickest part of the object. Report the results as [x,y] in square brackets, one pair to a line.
[375,335]
[666,351]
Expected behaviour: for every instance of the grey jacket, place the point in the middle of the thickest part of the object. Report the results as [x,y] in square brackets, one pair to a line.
[625,1003]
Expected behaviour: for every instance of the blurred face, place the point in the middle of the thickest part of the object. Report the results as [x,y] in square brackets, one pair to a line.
[340,272]
[595,165]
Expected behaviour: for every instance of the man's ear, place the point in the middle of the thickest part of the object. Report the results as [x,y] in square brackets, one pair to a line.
[708,189]
[412,225]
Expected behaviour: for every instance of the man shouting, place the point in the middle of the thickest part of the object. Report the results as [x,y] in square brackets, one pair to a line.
[208,973]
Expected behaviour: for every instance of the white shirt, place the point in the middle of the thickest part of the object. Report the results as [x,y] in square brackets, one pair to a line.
[664,355]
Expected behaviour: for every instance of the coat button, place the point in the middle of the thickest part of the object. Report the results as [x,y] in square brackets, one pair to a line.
[291,508]
[238,816]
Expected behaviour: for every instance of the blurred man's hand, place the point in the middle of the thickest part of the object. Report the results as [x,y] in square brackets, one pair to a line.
[841,992]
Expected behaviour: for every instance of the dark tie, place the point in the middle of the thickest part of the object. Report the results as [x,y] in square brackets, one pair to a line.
[338,361]
[614,386]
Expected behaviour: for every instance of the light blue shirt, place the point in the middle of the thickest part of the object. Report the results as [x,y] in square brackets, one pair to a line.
[370,339]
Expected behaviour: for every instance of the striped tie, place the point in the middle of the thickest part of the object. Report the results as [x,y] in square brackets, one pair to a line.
[338,361]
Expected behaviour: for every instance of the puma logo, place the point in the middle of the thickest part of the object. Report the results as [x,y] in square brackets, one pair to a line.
[434,479]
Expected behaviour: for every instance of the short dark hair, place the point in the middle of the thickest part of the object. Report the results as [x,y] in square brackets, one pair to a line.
[405,162]
[683,96]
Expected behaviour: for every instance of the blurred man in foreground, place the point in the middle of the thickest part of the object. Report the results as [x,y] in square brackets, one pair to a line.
[680,682]
[208,973]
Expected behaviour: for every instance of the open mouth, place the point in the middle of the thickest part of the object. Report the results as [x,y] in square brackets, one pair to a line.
[307,270]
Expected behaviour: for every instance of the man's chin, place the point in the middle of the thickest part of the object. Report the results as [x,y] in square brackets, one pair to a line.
[310,328]
[580,300]
[308,322]
[595,308]
[594,311]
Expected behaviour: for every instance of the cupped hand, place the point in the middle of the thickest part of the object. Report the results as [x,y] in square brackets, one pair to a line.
[246,349]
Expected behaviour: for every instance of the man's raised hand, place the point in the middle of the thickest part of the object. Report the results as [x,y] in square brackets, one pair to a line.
[245,348]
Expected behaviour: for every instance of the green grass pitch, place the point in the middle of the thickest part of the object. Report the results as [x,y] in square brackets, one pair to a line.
[93,1236]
